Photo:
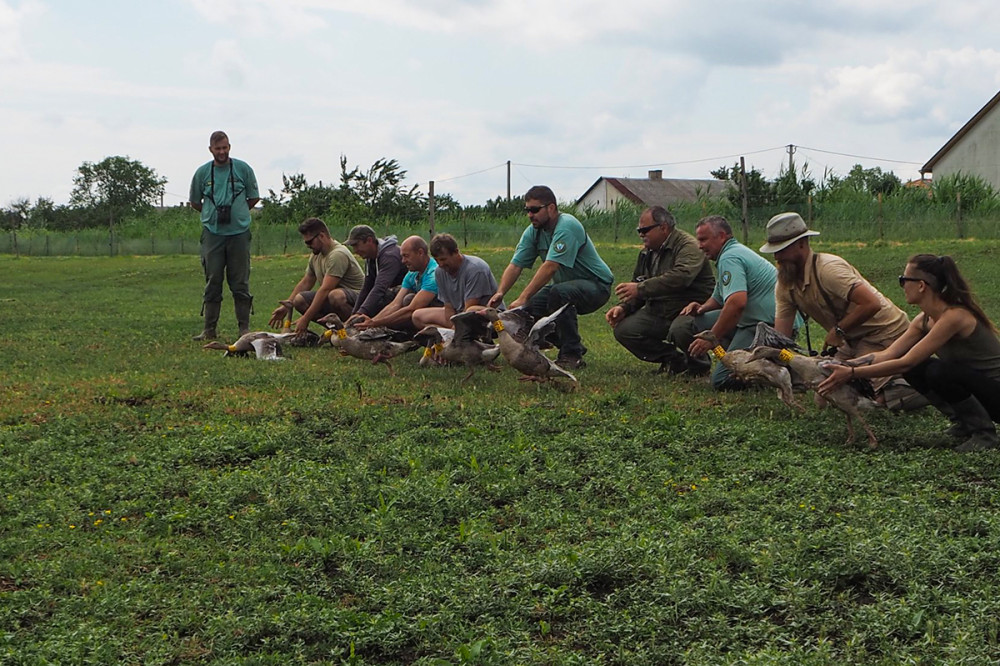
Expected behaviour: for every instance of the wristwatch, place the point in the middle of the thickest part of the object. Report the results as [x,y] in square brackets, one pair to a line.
[839,331]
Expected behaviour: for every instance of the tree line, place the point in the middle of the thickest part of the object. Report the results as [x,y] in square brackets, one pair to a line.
[118,189]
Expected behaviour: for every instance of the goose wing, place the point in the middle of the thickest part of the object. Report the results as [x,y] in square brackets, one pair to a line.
[542,327]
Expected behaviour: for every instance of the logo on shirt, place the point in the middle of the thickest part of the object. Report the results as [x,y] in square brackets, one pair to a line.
[727,277]
[560,246]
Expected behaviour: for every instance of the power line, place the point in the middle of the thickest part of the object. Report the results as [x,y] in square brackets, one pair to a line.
[858,157]
[445,180]
[661,164]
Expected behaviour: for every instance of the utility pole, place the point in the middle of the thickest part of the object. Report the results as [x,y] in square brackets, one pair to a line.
[430,206]
[508,180]
[791,151]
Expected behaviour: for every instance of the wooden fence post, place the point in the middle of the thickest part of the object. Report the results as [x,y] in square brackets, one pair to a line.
[743,187]
[958,218]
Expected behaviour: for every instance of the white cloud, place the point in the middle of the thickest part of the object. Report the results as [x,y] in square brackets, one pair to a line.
[12,19]
[911,86]
[262,17]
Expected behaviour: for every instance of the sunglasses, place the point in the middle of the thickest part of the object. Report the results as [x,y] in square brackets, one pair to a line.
[642,231]
[309,241]
[903,279]
[533,209]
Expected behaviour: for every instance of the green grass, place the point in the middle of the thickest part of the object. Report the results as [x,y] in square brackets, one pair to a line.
[160,504]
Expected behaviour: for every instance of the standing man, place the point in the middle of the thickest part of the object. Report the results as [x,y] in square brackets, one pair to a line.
[337,270]
[858,319]
[418,290]
[223,191]
[383,269]
[743,297]
[571,272]
[670,273]
[464,283]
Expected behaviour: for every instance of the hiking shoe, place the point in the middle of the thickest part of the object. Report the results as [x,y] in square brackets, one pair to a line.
[571,362]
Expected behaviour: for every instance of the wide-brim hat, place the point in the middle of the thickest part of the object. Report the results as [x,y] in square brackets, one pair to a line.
[784,229]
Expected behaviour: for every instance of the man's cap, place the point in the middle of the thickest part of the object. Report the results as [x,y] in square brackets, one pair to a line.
[784,229]
[359,233]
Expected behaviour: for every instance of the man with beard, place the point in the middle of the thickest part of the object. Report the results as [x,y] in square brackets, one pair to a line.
[339,271]
[670,273]
[572,272]
[858,319]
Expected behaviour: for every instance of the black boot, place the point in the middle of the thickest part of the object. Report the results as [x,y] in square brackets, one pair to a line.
[971,413]
[211,312]
[243,307]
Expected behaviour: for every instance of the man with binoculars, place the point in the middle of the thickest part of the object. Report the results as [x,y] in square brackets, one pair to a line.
[224,190]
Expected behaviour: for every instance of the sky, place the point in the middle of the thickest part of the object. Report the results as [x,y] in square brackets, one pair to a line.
[566,90]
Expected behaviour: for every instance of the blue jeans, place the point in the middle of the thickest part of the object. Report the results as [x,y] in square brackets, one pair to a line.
[583,297]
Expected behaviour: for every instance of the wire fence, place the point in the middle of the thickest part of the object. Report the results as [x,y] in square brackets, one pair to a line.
[616,226]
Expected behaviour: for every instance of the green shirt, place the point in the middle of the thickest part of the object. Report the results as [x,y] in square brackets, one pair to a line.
[339,263]
[229,185]
[742,269]
[569,246]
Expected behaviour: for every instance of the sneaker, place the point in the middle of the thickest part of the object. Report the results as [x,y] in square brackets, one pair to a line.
[570,362]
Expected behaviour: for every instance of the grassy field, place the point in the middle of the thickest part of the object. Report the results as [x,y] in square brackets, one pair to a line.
[162,505]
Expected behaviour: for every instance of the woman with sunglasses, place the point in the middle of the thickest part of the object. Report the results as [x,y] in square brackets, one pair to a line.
[950,352]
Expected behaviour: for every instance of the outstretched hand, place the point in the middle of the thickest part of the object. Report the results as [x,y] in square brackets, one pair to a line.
[839,374]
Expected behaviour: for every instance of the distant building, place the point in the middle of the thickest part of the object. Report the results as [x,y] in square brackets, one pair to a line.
[974,150]
[653,191]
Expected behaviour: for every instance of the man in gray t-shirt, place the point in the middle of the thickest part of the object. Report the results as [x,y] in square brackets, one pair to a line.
[464,283]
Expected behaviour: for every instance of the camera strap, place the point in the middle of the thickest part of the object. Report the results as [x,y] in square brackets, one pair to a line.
[232,185]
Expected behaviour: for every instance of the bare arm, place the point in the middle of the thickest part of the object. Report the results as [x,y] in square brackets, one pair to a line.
[732,310]
[507,280]
[908,351]
[539,280]
[320,298]
[396,313]
[868,305]
[305,284]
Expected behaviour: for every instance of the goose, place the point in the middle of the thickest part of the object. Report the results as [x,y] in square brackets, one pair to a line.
[464,345]
[809,371]
[434,339]
[747,369]
[262,344]
[525,355]
[377,345]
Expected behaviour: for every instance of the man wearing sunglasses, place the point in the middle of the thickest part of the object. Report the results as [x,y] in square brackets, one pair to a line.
[670,273]
[337,271]
[572,272]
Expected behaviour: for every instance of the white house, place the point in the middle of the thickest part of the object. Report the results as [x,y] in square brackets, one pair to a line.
[974,150]
[656,190]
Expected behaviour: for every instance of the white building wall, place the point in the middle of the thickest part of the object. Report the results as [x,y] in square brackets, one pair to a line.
[977,153]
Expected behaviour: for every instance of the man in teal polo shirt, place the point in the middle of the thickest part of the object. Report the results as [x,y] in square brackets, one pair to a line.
[743,296]
[572,272]
[418,290]
[223,191]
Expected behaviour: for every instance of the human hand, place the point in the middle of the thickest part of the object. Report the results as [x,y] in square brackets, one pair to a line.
[360,321]
[495,300]
[699,347]
[278,317]
[627,291]
[615,315]
[692,309]
[301,327]
[839,374]
[833,339]
[518,302]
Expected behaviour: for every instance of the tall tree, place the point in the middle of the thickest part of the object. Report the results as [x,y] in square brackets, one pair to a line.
[117,186]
